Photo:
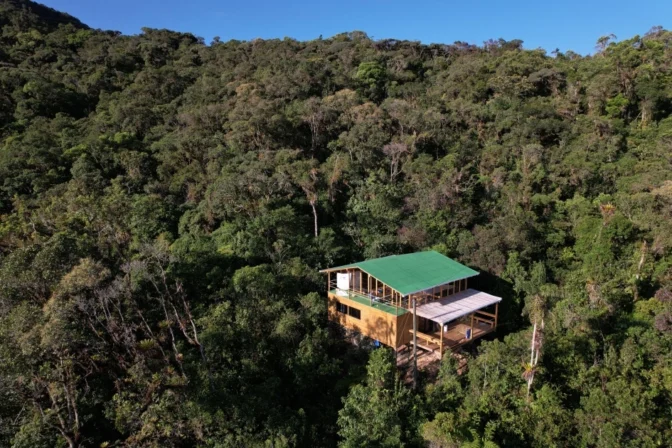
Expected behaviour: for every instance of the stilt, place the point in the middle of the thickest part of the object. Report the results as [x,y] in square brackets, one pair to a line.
[471,335]
[415,347]
[441,343]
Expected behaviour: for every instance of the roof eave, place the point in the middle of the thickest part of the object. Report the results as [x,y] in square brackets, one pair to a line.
[339,268]
[456,315]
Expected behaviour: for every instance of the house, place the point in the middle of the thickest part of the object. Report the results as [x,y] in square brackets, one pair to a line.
[376,298]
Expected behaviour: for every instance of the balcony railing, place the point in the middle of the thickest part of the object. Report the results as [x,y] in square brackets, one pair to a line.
[458,332]
[375,299]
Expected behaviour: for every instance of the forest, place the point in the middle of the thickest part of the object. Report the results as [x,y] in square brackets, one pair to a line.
[166,205]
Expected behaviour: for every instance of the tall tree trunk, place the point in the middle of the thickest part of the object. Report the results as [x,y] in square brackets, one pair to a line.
[534,334]
[312,204]
[530,377]
[642,259]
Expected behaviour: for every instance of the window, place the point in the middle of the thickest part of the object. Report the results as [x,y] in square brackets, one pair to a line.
[354,312]
[341,308]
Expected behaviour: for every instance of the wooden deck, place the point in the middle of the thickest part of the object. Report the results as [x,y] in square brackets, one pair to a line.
[453,338]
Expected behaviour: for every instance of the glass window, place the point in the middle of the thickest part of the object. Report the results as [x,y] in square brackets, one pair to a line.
[341,308]
[354,312]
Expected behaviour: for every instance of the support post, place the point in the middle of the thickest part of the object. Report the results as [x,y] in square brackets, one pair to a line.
[472,326]
[415,347]
[496,313]
[441,343]
[328,282]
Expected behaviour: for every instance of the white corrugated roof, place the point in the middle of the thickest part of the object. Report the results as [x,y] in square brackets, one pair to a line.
[457,305]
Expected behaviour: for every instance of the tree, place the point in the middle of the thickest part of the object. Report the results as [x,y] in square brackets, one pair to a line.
[372,77]
[306,176]
[380,412]
[394,151]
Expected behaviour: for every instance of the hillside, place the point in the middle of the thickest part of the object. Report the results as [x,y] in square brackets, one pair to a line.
[166,204]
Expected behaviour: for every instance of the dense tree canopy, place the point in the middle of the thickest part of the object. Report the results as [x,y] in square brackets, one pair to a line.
[165,205]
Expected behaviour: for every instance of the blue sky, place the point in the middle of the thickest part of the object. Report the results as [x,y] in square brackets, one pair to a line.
[549,24]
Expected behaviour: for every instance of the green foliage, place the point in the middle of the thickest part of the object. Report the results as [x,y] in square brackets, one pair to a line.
[372,77]
[616,106]
[381,412]
[165,207]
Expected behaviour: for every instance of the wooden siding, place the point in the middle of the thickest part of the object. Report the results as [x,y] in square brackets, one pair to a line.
[374,323]
[404,329]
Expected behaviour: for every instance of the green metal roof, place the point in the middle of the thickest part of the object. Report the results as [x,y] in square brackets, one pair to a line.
[412,273]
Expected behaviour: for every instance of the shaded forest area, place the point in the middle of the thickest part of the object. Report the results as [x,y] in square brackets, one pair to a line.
[165,206]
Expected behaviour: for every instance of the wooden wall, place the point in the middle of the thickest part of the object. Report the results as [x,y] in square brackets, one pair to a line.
[374,323]
[404,327]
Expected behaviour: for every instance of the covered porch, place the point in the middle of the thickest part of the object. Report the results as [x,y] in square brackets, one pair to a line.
[453,321]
